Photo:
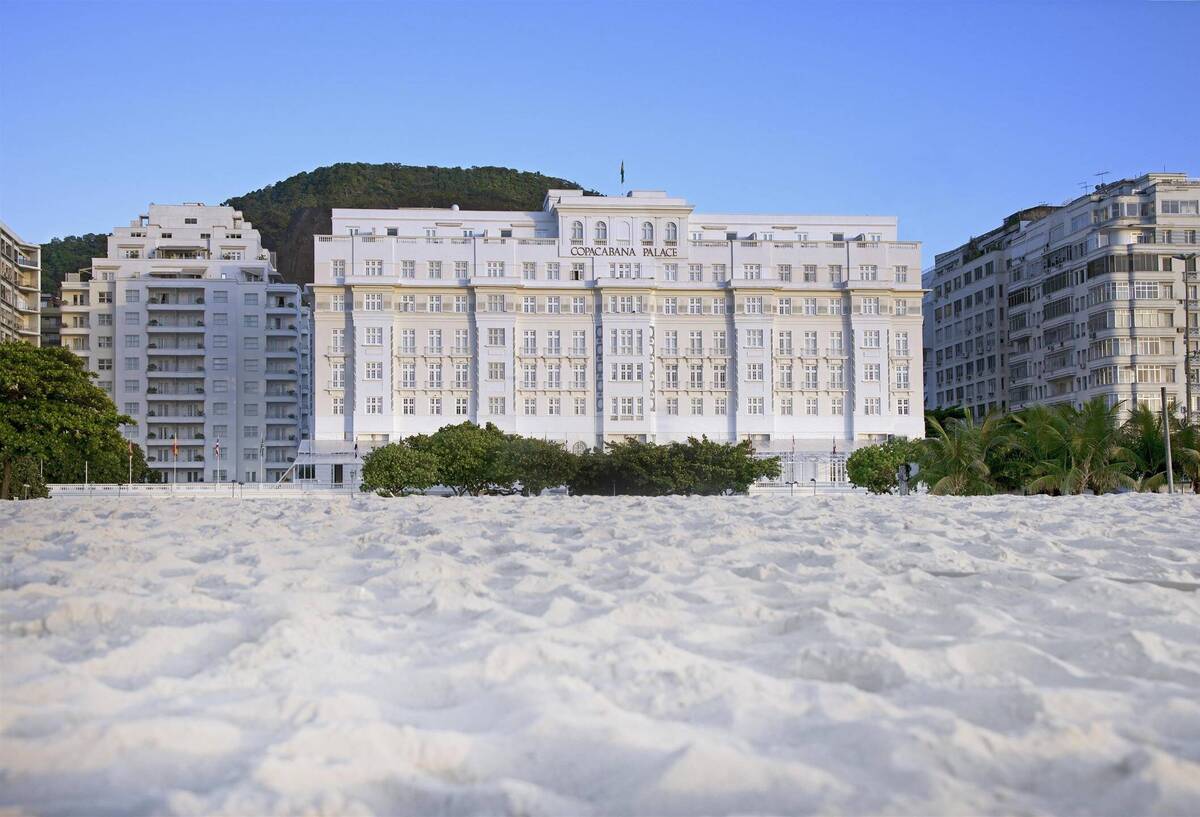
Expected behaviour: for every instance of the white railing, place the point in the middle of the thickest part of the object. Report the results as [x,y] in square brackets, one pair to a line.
[236,490]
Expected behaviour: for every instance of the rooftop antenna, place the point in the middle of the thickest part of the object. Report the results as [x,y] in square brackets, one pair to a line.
[1101,176]
[1084,186]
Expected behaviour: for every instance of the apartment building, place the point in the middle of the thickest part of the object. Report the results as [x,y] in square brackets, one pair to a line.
[51,320]
[20,288]
[196,336]
[1060,304]
[603,318]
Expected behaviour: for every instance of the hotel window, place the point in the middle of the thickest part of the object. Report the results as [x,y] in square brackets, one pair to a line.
[552,271]
[461,341]
[697,405]
[696,343]
[755,405]
[900,274]
[528,304]
[495,405]
[462,375]
[434,304]
[495,336]
[902,377]
[495,269]
[670,272]
[835,306]
[671,371]
[809,306]
[554,406]
[435,406]
[672,406]
[785,377]
[554,376]
[374,371]
[434,269]
[408,375]
[718,273]
[901,306]
[837,376]
[871,373]
[406,303]
[373,301]
[461,269]
[433,375]
[871,339]
[577,271]
[670,306]
[460,406]
[754,371]
[718,306]
[810,343]
[752,272]
[785,342]
[902,405]
[529,342]
[810,406]
[408,269]
[695,306]
[871,406]
[373,266]
[720,406]
[580,407]
[529,271]
[374,336]
[579,376]
[719,346]
[579,342]
[695,272]
[337,375]
[696,376]
[530,405]
[460,303]
[720,376]
[785,406]
[647,233]
[785,272]
[337,303]
[670,342]
[753,306]
[754,338]
[810,376]
[529,376]
[495,371]
[408,405]
[339,405]
[835,273]
[868,272]
[577,231]
[672,233]
[601,232]
[554,342]
[870,306]
[837,406]
[408,341]
[552,305]
[495,303]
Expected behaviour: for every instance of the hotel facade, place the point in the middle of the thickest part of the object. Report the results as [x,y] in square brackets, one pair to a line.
[193,333]
[20,288]
[599,318]
[1063,303]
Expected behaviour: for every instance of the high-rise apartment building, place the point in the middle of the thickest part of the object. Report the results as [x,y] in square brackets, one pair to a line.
[20,288]
[1060,304]
[195,335]
[51,320]
[605,318]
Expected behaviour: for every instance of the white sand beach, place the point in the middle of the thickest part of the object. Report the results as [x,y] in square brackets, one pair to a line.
[579,656]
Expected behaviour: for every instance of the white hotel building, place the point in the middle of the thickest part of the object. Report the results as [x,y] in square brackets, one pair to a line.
[194,334]
[604,318]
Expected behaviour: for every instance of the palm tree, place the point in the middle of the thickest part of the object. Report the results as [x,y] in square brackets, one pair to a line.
[1144,440]
[1039,444]
[1092,455]
[954,459]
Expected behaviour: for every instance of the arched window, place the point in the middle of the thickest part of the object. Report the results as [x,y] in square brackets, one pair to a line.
[577,231]
[672,232]
[647,232]
[581,448]
[601,231]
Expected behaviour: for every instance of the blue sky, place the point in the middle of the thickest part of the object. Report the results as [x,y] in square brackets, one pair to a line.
[949,115]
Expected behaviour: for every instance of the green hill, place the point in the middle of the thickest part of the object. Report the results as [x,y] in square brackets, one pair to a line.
[290,212]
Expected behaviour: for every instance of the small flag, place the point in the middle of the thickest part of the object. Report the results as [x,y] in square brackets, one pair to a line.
[130,447]
[217,447]
[356,451]
[622,171]
[174,446]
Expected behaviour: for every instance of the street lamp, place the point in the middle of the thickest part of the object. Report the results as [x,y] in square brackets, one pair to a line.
[1187,333]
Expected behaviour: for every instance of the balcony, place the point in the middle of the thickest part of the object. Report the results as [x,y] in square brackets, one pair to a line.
[159,326]
[288,352]
[26,262]
[173,349]
[290,374]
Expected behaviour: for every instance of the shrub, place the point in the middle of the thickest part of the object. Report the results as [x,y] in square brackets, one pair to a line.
[397,469]
[874,466]
[536,464]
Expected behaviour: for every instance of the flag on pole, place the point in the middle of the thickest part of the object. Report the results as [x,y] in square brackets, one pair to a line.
[130,447]
[174,445]
[217,448]
[622,171]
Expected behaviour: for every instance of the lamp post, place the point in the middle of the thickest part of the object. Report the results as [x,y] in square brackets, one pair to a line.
[1187,334]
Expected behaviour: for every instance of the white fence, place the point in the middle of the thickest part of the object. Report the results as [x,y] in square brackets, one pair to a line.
[236,490]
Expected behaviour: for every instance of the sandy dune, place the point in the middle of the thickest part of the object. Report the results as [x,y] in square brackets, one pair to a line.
[850,655]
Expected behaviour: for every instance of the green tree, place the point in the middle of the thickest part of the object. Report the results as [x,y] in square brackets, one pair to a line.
[398,469]
[50,410]
[1087,451]
[469,458]
[954,460]
[874,466]
[720,468]
[536,464]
